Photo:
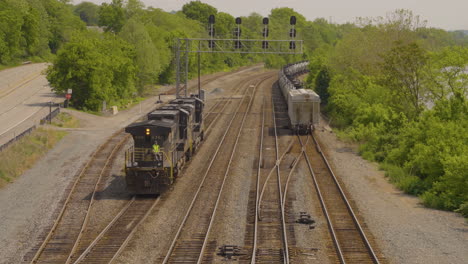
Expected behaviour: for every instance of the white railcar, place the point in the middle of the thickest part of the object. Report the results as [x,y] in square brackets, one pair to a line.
[303,104]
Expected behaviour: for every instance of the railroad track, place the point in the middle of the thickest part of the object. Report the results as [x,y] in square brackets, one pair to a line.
[349,238]
[112,240]
[215,111]
[59,242]
[270,239]
[190,244]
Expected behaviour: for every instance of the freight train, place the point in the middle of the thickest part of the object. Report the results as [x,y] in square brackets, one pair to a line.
[162,144]
[303,104]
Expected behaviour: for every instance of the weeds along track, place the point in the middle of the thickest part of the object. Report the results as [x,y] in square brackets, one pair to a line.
[59,242]
[349,238]
[191,239]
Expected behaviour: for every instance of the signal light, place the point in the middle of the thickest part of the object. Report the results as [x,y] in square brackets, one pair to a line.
[148,132]
[211,44]
[292,45]
[292,32]
[265,32]
[238,20]
[292,20]
[265,21]
[211,19]
[264,44]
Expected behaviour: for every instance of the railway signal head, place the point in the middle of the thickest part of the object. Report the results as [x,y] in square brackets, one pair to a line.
[211,19]
[265,21]
[237,44]
[292,45]
[238,20]
[211,44]
[265,32]
[292,20]
[264,44]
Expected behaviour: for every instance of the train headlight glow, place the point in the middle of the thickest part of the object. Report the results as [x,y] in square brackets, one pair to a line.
[148,132]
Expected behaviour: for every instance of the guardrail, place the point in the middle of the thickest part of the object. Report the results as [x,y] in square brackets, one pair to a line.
[19,132]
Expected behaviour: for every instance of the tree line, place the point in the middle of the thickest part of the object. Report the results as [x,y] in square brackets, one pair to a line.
[399,89]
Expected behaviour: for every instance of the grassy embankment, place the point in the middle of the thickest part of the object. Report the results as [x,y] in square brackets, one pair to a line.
[22,155]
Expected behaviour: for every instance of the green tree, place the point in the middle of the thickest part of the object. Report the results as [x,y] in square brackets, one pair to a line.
[199,11]
[147,55]
[449,76]
[94,72]
[88,12]
[404,68]
[112,16]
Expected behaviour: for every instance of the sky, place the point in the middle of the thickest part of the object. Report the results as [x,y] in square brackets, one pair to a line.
[445,14]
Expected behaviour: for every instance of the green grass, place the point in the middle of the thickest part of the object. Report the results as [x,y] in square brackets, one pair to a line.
[22,155]
[65,120]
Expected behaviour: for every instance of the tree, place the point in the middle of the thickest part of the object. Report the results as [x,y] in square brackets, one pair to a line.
[112,16]
[88,12]
[449,76]
[404,73]
[147,56]
[322,82]
[94,72]
[199,11]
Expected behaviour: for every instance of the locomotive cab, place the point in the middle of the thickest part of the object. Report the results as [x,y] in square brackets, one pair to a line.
[149,163]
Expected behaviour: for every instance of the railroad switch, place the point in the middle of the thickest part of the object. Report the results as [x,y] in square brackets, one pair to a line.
[305,219]
[228,251]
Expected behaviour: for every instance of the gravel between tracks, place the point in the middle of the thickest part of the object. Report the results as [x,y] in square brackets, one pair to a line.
[406,232]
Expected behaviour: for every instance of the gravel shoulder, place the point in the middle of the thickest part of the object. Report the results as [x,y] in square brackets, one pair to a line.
[405,231]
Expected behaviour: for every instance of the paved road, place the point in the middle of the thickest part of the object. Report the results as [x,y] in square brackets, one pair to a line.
[24,98]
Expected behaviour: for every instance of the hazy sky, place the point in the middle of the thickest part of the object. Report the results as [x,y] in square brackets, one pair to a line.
[446,14]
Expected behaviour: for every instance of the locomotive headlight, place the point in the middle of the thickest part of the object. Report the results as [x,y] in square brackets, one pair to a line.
[148,132]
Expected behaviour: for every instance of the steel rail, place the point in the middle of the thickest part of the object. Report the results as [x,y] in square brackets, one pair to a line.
[324,208]
[111,223]
[184,220]
[348,205]
[257,194]
[91,202]
[293,167]
[280,194]
[241,83]
[277,163]
[213,215]
[124,244]
[62,211]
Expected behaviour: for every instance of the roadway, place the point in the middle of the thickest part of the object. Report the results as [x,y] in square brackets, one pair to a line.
[24,99]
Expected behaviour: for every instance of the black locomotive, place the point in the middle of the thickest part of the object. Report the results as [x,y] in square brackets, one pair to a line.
[162,145]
